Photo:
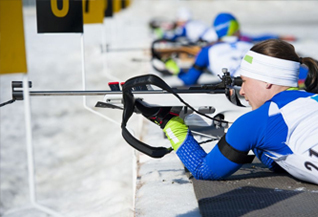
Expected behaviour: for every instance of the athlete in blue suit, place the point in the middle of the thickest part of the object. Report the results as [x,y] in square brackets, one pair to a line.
[190,29]
[227,52]
[196,30]
[281,129]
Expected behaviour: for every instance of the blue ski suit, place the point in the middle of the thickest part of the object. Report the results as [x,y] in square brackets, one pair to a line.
[282,133]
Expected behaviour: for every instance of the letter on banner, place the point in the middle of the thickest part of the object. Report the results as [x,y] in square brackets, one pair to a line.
[108,8]
[12,45]
[59,16]
[93,11]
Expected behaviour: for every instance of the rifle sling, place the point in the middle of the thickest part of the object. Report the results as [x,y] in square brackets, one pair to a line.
[129,106]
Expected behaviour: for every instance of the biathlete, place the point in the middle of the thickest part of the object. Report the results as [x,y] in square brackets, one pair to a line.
[195,31]
[187,28]
[281,129]
[227,52]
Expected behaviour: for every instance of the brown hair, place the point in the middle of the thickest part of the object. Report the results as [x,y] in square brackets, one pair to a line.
[284,50]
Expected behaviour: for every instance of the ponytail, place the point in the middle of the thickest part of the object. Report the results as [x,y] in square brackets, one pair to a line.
[311,82]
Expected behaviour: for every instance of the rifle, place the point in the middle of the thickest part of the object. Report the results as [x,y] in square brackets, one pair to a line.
[209,101]
[182,51]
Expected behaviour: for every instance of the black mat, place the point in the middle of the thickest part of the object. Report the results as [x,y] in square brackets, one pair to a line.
[256,191]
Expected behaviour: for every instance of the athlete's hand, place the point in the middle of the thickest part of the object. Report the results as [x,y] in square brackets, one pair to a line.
[159,33]
[172,125]
[172,66]
[158,115]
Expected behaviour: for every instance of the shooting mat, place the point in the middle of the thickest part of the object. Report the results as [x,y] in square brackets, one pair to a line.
[256,191]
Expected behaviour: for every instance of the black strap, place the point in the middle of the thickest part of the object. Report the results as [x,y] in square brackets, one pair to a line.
[200,68]
[234,155]
[156,54]
[129,107]
[8,102]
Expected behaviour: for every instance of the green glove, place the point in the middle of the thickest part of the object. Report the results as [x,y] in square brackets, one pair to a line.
[172,66]
[159,32]
[176,131]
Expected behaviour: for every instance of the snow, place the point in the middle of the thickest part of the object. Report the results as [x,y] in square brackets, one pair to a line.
[83,165]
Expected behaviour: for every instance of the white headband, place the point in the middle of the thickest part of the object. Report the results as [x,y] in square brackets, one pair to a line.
[270,69]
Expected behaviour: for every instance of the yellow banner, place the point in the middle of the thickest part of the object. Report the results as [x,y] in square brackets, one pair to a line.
[116,5]
[126,3]
[12,45]
[93,11]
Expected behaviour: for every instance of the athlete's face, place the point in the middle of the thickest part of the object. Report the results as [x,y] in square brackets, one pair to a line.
[254,91]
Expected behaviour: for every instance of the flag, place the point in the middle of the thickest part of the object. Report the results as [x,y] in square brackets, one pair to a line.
[116,5]
[12,45]
[59,16]
[93,11]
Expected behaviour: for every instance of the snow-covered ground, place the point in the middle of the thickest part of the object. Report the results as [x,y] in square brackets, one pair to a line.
[83,166]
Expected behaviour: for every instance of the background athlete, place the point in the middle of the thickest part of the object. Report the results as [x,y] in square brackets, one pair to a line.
[226,52]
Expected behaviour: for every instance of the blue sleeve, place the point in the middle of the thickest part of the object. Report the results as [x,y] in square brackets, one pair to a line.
[247,133]
[258,38]
[212,166]
[192,75]
[215,165]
